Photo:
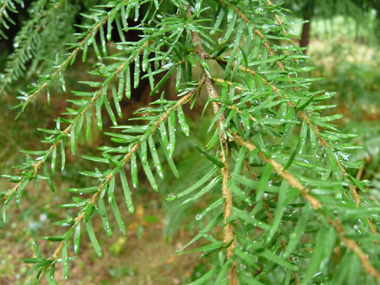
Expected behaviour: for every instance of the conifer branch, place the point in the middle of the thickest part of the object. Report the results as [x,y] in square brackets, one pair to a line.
[54,257]
[21,58]
[233,107]
[303,117]
[2,10]
[277,18]
[227,194]
[316,204]
[2,15]
[256,31]
[25,50]
[71,57]
[224,153]
[66,131]
[353,246]
[232,84]
[262,121]
[293,181]
[300,114]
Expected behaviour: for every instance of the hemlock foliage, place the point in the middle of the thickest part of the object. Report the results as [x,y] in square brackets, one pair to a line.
[288,206]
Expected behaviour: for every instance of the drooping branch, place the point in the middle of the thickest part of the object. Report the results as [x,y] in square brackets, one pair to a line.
[3,14]
[316,204]
[322,141]
[69,59]
[27,47]
[300,114]
[54,257]
[36,166]
[351,244]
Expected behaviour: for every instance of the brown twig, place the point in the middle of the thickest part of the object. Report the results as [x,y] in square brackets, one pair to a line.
[277,18]
[353,245]
[316,204]
[2,10]
[220,80]
[224,153]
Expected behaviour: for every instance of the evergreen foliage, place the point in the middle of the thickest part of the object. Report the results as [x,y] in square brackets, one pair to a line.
[287,206]
[7,6]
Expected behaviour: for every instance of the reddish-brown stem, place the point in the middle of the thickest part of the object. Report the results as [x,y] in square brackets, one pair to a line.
[224,153]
